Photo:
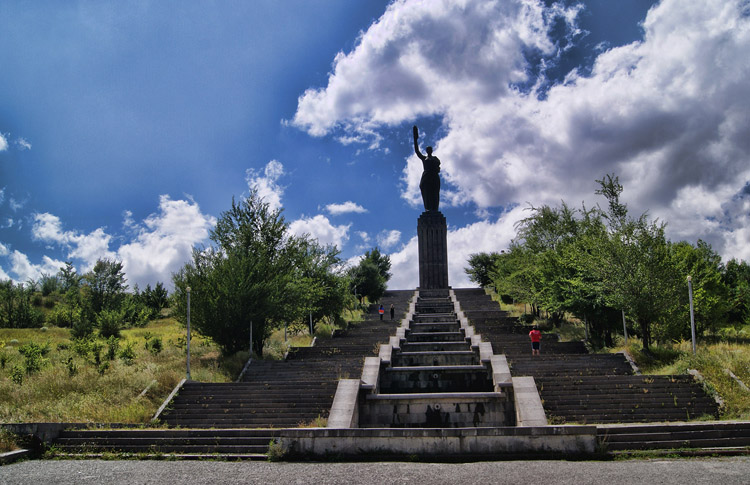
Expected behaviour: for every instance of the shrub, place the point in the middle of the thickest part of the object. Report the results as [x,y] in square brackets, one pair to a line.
[82,346]
[275,451]
[71,365]
[127,354]
[110,323]
[113,345]
[3,359]
[102,368]
[16,374]
[63,315]
[96,351]
[154,345]
[34,356]
[82,328]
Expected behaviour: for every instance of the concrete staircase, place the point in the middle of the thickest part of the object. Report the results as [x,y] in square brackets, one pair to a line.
[434,377]
[245,415]
[712,438]
[245,444]
[577,387]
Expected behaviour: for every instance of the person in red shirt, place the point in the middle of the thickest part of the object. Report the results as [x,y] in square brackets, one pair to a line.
[536,340]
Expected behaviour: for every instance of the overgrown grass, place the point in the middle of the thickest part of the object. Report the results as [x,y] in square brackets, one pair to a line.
[7,441]
[71,387]
[711,360]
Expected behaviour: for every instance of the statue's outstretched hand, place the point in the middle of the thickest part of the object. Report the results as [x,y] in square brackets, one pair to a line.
[416,132]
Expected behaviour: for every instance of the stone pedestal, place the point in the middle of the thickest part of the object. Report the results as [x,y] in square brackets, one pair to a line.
[432,232]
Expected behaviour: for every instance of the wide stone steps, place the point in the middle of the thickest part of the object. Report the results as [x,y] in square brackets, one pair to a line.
[612,398]
[458,357]
[246,444]
[669,436]
[416,337]
[277,394]
[578,387]
[433,346]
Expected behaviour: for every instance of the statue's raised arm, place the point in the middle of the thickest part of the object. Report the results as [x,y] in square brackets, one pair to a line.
[429,185]
[416,145]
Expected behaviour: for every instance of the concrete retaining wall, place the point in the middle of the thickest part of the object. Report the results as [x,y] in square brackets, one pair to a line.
[459,443]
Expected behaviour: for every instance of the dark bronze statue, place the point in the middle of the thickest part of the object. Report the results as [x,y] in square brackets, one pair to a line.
[430,182]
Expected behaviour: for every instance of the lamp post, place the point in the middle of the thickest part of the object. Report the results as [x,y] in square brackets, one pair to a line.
[692,315]
[188,333]
[624,327]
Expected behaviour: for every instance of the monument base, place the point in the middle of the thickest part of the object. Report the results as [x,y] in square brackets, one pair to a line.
[432,233]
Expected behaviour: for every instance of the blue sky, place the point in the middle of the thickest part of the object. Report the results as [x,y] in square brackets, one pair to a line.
[127,127]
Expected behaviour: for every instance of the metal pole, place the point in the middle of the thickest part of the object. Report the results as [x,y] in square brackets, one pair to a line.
[311,326]
[586,326]
[285,331]
[188,333]
[692,315]
[251,338]
[624,327]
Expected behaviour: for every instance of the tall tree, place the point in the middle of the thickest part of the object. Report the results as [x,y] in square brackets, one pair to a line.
[480,266]
[370,276]
[107,283]
[256,274]
[634,264]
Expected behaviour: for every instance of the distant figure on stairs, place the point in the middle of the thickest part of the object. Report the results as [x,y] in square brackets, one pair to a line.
[381,310]
[393,312]
[536,340]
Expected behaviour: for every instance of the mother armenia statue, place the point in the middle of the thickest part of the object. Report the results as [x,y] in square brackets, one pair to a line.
[430,182]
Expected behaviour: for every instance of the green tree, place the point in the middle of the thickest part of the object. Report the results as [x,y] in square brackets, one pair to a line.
[710,294]
[107,284]
[69,278]
[736,278]
[480,266]
[257,273]
[16,309]
[635,264]
[370,276]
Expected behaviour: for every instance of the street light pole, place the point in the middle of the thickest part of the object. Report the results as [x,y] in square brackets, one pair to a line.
[692,315]
[624,327]
[188,333]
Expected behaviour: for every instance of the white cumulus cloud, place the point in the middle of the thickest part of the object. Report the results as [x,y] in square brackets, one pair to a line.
[388,239]
[162,244]
[3,143]
[320,228]
[164,241]
[667,113]
[266,183]
[25,270]
[346,207]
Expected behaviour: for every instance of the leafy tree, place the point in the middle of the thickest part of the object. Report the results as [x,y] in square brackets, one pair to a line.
[16,309]
[371,275]
[107,284]
[480,266]
[49,284]
[257,273]
[710,294]
[736,278]
[634,263]
[68,277]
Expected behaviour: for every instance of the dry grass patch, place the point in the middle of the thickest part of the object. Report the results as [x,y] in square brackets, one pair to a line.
[75,386]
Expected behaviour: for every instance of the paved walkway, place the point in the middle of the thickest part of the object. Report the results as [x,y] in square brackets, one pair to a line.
[696,471]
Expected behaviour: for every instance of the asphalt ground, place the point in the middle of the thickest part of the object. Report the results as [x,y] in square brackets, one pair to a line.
[714,471]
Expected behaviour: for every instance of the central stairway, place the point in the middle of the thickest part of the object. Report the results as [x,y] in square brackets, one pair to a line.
[435,377]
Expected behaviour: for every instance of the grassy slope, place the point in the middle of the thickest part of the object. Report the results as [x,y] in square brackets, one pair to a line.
[53,394]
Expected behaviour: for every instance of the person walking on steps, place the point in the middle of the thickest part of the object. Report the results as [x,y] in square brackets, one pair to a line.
[393,312]
[381,310]
[536,340]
